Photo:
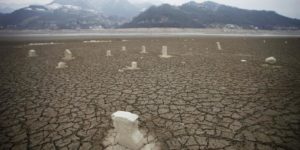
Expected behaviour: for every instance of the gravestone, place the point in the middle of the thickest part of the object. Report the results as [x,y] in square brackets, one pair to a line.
[68,55]
[128,133]
[164,52]
[61,65]
[143,49]
[32,53]
[123,48]
[133,66]
[219,46]
[108,53]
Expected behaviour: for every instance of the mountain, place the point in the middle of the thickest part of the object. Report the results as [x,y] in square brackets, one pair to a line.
[121,8]
[210,14]
[56,16]
[72,14]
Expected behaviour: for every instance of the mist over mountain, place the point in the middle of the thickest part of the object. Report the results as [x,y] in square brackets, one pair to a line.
[121,8]
[55,16]
[210,14]
[72,14]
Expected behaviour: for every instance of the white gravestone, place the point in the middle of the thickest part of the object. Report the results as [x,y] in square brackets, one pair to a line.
[143,49]
[219,46]
[32,53]
[165,52]
[271,60]
[123,48]
[133,66]
[68,55]
[108,53]
[128,134]
[61,65]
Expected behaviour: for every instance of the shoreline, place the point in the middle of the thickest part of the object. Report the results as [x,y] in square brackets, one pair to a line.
[8,35]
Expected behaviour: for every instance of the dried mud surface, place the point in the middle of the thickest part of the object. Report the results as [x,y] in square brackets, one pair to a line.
[201,98]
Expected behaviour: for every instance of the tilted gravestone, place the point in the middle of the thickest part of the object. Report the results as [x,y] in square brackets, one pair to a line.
[68,55]
[128,133]
[219,46]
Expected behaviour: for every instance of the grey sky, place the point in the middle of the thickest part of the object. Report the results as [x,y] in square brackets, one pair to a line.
[285,7]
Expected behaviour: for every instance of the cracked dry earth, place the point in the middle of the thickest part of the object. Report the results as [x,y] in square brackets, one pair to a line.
[201,98]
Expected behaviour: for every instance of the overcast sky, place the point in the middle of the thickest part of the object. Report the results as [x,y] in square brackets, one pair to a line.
[285,7]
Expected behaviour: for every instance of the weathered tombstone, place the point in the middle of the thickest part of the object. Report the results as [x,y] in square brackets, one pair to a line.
[165,52]
[133,66]
[61,65]
[143,49]
[32,53]
[68,55]
[126,126]
[264,41]
[123,48]
[271,60]
[219,46]
[108,53]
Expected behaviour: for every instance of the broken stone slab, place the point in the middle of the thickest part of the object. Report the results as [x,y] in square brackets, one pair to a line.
[128,133]
[271,60]
[32,53]
[68,55]
[61,65]
[164,52]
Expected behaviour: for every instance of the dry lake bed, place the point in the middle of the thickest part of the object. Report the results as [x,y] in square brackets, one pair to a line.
[213,93]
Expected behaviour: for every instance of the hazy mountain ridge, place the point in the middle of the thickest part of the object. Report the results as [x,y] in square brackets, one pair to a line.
[56,17]
[121,8]
[210,14]
[71,14]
